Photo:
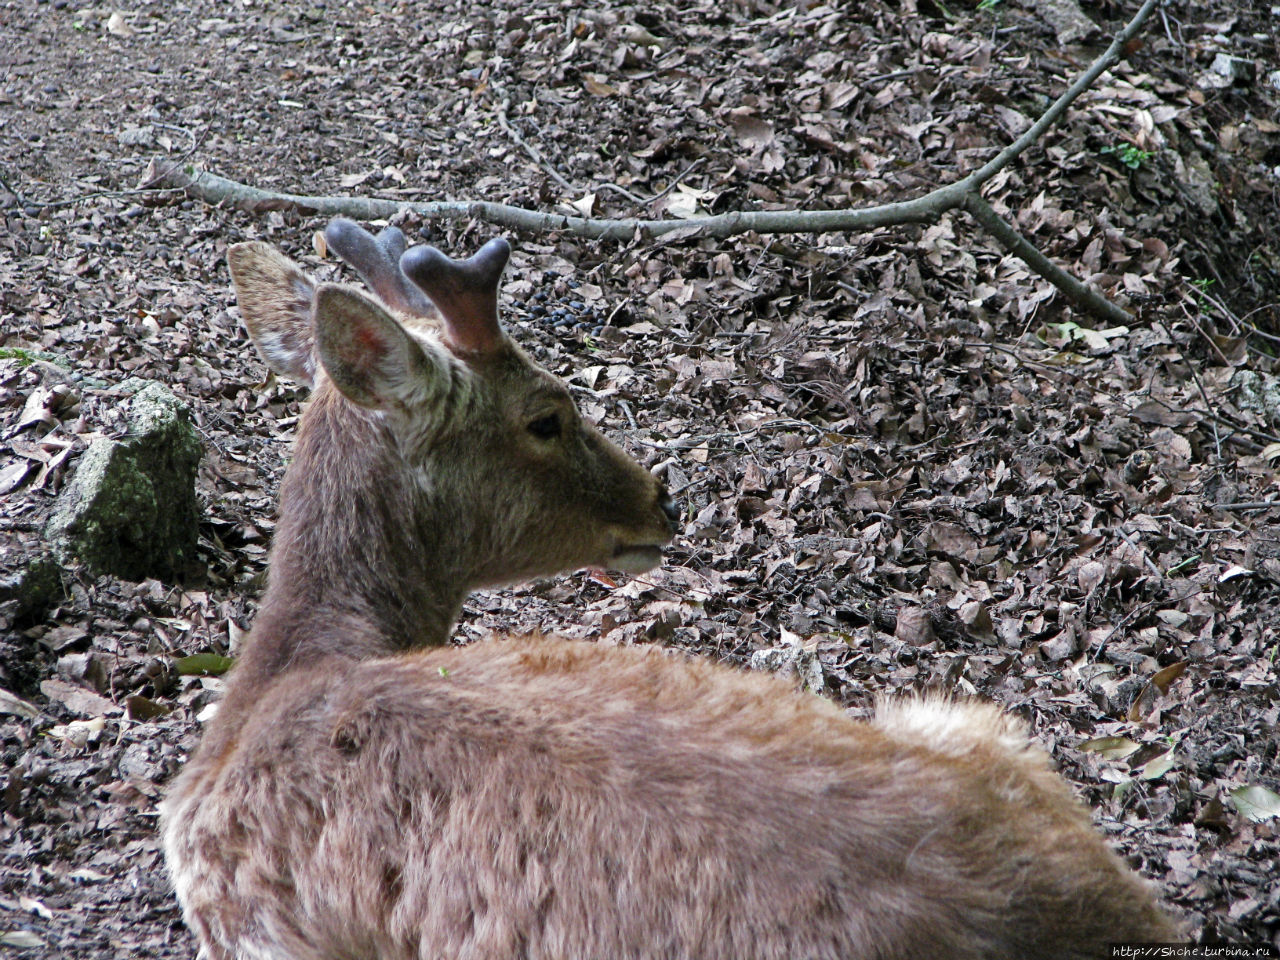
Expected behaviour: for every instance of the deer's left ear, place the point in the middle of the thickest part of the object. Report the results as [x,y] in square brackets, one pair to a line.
[369,356]
[275,301]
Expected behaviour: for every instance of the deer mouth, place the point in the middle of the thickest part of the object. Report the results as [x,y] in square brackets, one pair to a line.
[636,558]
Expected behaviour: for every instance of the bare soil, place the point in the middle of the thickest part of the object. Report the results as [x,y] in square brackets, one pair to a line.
[904,462]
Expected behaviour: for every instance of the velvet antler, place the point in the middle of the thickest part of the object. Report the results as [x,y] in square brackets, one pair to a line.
[464,291]
[377,260]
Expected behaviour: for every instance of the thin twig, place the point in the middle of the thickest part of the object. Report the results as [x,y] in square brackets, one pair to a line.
[551,171]
[1140,552]
[1204,336]
[18,197]
[1164,18]
[530,149]
[1191,367]
[638,201]
[676,182]
[896,75]
[186,131]
[96,195]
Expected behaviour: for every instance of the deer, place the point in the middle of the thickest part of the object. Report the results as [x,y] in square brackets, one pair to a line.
[367,790]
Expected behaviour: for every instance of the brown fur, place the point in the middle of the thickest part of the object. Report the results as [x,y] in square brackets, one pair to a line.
[359,796]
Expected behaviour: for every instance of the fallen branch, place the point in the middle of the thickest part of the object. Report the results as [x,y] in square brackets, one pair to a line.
[1249,505]
[214,189]
[963,194]
[1081,294]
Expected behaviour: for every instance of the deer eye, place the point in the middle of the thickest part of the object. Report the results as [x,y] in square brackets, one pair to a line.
[546,428]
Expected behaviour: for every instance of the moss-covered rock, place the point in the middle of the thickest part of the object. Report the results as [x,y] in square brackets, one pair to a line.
[131,508]
[29,590]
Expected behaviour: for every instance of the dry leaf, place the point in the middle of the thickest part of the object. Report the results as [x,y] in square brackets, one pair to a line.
[16,706]
[118,27]
[348,180]
[585,205]
[914,626]
[1164,679]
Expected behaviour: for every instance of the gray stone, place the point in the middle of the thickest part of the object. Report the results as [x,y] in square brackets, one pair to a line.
[1068,21]
[131,508]
[1259,393]
[789,660]
[34,587]
[1235,69]
[1196,177]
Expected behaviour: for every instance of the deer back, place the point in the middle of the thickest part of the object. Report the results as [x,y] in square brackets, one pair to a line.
[537,799]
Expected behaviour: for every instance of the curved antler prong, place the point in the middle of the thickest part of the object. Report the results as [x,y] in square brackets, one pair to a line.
[377,260]
[464,291]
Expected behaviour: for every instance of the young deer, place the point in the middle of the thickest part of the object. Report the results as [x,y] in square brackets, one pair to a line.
[365,792]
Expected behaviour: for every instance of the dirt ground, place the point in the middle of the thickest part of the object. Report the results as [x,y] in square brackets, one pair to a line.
[904,462]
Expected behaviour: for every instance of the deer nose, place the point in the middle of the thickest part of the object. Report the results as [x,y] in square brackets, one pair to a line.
[669,507]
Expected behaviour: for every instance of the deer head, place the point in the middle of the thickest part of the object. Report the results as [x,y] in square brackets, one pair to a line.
[435,456]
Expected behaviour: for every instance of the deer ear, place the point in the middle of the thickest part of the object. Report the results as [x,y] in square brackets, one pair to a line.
[275,302]
[368,355]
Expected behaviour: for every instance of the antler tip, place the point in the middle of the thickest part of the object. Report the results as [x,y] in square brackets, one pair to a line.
[392,240]
[423,261]
[497,246]
[339,229]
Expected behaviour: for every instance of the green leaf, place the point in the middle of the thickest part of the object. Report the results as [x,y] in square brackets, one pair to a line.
[1257,803]
[1157,767]
[209,664]
[1113,748]
[143,708]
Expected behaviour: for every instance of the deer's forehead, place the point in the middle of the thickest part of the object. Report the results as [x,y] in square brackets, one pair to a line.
[510,370]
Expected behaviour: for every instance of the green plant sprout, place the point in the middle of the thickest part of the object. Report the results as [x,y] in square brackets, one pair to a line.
[1131,156]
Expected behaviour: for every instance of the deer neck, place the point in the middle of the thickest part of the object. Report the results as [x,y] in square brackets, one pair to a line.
[360,566]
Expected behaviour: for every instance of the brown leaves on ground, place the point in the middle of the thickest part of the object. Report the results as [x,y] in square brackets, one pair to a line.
[904,464]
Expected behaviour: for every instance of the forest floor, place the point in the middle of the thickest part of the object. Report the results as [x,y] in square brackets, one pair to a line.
[903,460]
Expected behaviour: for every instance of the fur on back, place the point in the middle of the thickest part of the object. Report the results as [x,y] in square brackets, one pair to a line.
[538,798]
